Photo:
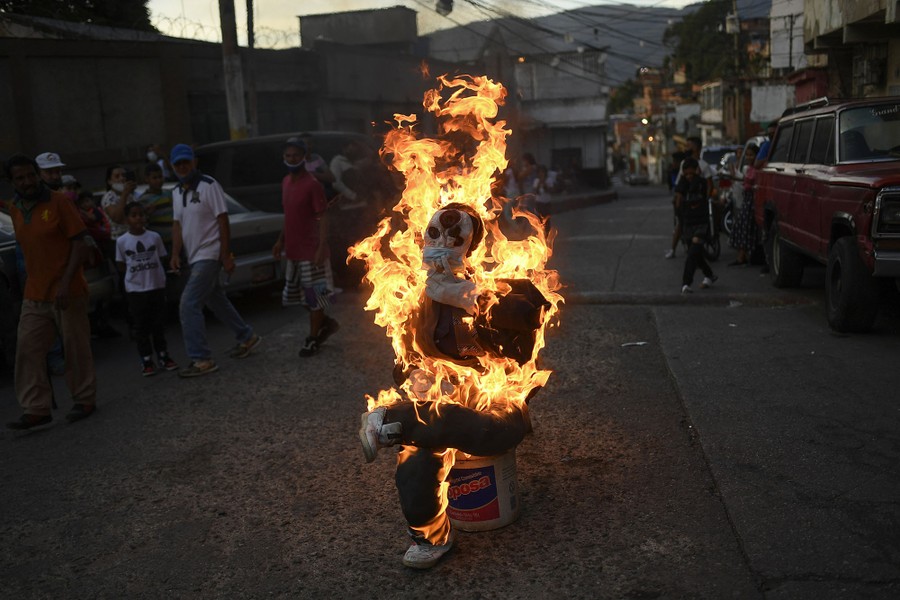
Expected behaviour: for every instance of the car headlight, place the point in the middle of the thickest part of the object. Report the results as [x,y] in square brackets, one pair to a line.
[887,212]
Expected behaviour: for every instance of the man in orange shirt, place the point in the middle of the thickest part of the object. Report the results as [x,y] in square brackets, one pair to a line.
[51,234]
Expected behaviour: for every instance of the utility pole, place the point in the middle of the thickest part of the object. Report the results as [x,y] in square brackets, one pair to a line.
[234,82]
[253,126]
[738,87]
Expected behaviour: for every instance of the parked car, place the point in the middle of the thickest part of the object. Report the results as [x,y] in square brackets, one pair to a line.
[830,193]
[253,233]
[740,169]
[252,170]
[712,155]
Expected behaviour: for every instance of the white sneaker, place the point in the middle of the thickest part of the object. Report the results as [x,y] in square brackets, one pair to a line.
[374,434]
[686,289]
[706,283]
[425,556]
[670,254]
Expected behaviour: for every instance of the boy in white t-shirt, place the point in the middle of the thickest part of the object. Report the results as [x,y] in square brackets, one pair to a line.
[139,254]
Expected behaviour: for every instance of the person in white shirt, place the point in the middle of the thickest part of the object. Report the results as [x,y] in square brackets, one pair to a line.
[201,228]
[139,256]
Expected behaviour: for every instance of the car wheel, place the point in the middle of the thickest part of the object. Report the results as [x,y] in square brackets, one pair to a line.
[851,292]
[712,248]
[785,265]
[728,221]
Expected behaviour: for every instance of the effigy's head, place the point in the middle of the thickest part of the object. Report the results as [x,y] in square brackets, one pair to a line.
[451,235]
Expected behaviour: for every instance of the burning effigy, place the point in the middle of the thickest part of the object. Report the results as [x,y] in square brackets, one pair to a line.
[465,306]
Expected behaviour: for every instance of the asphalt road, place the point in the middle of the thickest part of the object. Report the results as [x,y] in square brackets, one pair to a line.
[740,451]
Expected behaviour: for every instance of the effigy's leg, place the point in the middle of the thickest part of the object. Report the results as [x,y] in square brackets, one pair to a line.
[420,474]
[441,425]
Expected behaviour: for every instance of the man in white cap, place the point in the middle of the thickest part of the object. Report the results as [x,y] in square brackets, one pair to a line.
[50,168]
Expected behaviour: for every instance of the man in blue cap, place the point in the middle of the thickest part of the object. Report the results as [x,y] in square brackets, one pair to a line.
[201,228]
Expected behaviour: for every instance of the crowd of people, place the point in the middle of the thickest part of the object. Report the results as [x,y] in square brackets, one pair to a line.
[60,230]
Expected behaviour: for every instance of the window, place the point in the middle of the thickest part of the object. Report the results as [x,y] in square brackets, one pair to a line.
[802,137]
[782,143]
[822,151]
[257,164]
[870,132]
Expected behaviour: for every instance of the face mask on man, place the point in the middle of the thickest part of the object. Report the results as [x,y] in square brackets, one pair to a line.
[118,187]
[152,157]
[295,168]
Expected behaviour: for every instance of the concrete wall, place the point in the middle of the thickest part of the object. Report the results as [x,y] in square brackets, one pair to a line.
[361,27]
[101,103]
[786,35]
[770,101]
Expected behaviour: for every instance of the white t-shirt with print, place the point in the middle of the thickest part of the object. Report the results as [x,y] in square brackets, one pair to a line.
[142,255]
[197,209]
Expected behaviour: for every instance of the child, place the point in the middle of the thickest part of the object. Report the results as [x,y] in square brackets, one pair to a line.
[94,219]
[139,254]
[157,203]
[691,203]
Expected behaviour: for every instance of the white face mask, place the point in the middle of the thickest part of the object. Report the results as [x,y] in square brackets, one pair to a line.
[118,187]
[447,239]
[151,156]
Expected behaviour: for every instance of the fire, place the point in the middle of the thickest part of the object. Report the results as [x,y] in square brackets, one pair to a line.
[459,166]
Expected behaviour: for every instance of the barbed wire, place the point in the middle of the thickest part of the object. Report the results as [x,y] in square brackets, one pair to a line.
[267,38]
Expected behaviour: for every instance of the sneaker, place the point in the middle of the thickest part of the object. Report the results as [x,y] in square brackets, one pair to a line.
[708,281]
[243,349]
[167,363]
[27,421]
[670,254]
[686,289]
[374,434]
[310,347]
[148,367]
[424,555]
[198,368]
[328,328]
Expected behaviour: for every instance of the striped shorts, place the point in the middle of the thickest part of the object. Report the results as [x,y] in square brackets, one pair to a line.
[307,284]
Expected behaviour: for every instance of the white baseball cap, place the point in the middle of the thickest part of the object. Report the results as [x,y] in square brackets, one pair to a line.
[49,160]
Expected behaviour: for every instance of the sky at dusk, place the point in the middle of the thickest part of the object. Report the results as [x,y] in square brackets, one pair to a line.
[276,25]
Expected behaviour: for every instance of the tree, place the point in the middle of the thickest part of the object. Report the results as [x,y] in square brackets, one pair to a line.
[131,14]
[622,97]
[700,43]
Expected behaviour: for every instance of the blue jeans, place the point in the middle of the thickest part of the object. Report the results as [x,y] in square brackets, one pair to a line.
[203,289]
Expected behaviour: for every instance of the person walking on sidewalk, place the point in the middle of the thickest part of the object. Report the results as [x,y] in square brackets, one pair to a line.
[201,228]
[304,242]
[139,255]
[52,237]
[691,195]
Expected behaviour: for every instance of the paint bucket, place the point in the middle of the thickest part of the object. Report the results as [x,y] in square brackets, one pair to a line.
[483,493]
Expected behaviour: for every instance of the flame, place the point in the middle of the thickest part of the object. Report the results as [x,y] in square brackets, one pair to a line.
[460,165]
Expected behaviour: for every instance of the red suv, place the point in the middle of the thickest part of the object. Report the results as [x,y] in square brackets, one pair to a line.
[830,192]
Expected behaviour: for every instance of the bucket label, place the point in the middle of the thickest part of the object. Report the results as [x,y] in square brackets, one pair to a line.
[472,495]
